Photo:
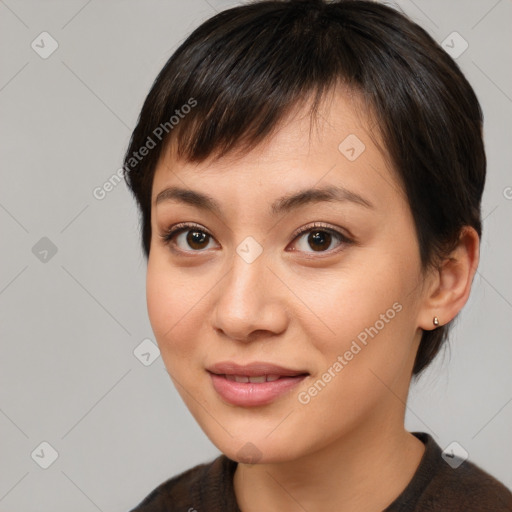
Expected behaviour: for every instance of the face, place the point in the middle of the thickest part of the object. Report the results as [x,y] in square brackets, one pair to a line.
[326,286]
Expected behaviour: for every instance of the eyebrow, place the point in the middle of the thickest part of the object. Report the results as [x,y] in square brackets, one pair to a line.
[283,204]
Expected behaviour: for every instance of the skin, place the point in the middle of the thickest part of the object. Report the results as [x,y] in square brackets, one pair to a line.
[347,448]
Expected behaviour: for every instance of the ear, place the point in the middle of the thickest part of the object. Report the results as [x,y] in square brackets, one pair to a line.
[449,285]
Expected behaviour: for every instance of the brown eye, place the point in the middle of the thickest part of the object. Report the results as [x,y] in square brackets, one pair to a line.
[319,239]
[196,239]
[187,238]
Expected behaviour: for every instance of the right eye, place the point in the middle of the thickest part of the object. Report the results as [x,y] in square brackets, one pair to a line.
[193,235]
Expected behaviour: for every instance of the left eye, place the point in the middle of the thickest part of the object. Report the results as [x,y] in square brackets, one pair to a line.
[320,239]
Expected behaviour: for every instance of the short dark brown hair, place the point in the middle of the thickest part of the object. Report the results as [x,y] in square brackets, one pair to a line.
[245,68]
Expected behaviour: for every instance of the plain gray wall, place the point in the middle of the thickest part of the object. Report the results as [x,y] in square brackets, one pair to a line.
[70,321]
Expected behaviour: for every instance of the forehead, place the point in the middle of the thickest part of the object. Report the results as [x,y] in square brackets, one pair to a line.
[339,146]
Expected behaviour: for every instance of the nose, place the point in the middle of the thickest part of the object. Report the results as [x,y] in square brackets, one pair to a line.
[250,303]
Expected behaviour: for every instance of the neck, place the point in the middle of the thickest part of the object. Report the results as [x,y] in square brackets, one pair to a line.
[363,471]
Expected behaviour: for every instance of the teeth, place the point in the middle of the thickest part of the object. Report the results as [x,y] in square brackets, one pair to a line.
[258,379]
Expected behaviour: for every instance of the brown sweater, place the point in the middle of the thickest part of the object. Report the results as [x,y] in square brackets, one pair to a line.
[435,486]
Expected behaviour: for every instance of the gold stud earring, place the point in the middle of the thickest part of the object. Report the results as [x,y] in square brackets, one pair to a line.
[436,321]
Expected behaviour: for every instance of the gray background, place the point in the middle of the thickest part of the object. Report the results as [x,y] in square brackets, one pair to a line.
[70,321]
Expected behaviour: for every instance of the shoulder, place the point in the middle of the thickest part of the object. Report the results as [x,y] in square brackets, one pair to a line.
[442,483]
[186,491]
[469,487]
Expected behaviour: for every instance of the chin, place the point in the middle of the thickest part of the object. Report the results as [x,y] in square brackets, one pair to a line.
[256,448]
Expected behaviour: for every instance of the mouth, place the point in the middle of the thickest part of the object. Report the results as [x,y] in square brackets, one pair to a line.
[258,379]
[254,384]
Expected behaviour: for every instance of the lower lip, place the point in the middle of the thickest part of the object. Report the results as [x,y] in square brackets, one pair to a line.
[252,394]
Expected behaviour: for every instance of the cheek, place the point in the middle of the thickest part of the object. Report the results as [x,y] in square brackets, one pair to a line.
[347,304]
[160,302]
[173,304]
[367,318]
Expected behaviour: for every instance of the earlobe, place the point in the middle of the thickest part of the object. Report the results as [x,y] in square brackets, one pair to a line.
[451,286]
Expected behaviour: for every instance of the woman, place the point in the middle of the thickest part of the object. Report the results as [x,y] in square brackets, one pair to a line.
[309,177]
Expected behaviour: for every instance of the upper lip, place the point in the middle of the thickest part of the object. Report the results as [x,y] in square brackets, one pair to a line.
[254,369]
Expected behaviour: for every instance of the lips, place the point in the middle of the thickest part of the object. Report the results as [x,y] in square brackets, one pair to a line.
[254,384]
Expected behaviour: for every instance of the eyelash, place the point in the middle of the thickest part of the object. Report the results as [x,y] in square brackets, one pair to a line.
[186,226]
